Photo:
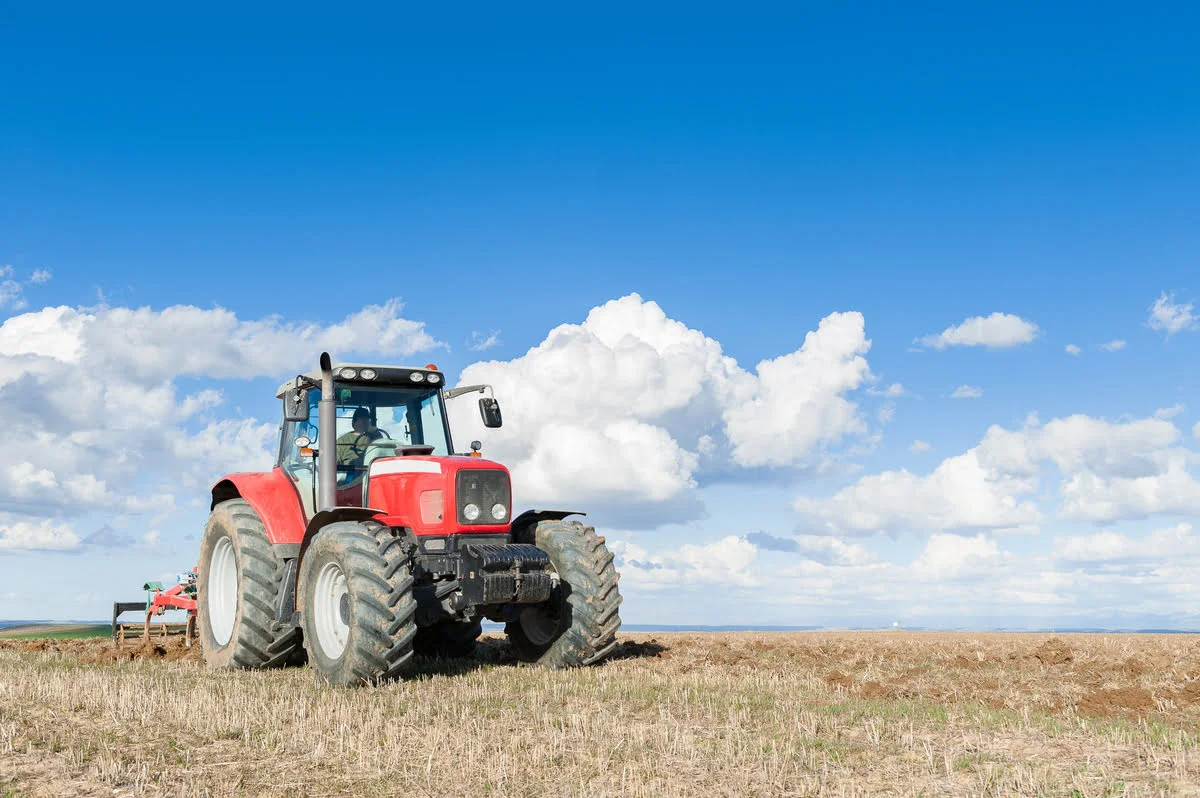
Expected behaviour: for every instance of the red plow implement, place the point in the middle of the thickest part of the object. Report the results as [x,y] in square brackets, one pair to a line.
[158,601]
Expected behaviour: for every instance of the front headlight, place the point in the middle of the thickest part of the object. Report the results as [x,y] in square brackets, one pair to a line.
[471,512]
[499,512]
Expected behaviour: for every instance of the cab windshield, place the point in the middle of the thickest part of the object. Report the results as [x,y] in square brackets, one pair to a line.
[374,417]
[372,422]
[409,416]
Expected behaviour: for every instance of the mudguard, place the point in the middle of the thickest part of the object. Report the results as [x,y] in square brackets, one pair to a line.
[531,518]
[273,497]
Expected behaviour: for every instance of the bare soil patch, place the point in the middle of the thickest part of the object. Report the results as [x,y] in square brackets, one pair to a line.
[1054,652]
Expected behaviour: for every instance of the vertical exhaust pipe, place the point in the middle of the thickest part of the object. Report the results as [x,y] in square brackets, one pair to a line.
[327,434]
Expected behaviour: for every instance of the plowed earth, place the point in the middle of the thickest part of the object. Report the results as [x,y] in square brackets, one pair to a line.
[669,714]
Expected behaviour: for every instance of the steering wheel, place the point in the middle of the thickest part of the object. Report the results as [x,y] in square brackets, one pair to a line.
[361,450]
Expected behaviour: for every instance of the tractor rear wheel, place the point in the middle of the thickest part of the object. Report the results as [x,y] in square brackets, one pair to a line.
[578,624]
[237,587]
[357,604]
[448,639]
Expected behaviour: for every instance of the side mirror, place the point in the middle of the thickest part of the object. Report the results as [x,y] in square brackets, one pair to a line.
[295,405]
[490,410]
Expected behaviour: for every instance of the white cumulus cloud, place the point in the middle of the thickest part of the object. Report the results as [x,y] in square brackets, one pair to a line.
[728,561]
[1072,349]
[997,331]
[1107,470]
[43,535]
[961,493]
[918,446]
[798,400]
[966,392]
[1109,547]
[1113,346]
[956,556]
[1170,317]
[627,407]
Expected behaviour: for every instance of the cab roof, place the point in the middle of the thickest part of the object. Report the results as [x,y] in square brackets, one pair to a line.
[385,375]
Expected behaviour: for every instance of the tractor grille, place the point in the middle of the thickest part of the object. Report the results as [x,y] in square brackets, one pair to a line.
[485,488]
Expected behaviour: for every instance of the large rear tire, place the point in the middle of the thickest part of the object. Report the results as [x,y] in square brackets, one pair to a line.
[452,639]
[578,624]
[237,589]
[357,604]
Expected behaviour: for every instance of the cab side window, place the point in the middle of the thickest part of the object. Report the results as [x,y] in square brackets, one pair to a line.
[296,429]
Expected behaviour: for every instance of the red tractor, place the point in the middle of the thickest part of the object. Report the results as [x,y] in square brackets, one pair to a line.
[371,538]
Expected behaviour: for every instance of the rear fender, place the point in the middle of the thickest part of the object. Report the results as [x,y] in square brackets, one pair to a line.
[272,496]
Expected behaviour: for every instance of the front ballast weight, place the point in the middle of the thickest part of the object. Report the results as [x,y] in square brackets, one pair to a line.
[499,573]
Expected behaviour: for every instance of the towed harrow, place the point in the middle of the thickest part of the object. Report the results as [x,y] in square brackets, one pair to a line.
[158,600]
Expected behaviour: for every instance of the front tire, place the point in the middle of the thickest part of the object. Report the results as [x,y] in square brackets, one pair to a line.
[357,604]
[578,624]
[237,587]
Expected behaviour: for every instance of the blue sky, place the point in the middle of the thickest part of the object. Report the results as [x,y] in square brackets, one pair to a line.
[750,174]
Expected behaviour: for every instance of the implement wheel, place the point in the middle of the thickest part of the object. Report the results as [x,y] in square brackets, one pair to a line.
[578,624]
[236,591]
[357,604]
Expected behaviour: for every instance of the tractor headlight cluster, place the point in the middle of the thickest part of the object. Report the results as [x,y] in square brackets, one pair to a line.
[483,496]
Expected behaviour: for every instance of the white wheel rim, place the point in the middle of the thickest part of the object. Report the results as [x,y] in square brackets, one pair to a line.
[222,591]
[330,617]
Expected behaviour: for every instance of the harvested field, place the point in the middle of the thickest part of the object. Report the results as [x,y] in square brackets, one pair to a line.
[672,714]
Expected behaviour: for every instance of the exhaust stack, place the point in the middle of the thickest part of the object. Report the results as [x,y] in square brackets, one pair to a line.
[327,424]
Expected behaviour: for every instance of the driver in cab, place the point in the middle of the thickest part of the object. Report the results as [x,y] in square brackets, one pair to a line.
[353,445]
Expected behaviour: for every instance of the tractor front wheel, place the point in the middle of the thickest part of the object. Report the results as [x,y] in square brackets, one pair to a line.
[236,591]
[578,624]
[357,604]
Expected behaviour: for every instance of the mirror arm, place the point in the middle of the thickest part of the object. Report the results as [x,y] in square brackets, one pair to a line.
[465,389]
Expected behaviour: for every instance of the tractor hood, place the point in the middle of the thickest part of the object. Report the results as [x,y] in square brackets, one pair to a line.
[451,495]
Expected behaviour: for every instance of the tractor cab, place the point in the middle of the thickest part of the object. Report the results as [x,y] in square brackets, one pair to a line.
[378,412]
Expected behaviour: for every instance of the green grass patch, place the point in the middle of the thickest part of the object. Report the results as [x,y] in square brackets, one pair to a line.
[31,633]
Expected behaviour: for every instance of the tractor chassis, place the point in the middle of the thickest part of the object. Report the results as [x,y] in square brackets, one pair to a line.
[463,576]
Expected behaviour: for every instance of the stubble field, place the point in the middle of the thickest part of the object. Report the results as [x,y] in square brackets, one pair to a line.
[672,714]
